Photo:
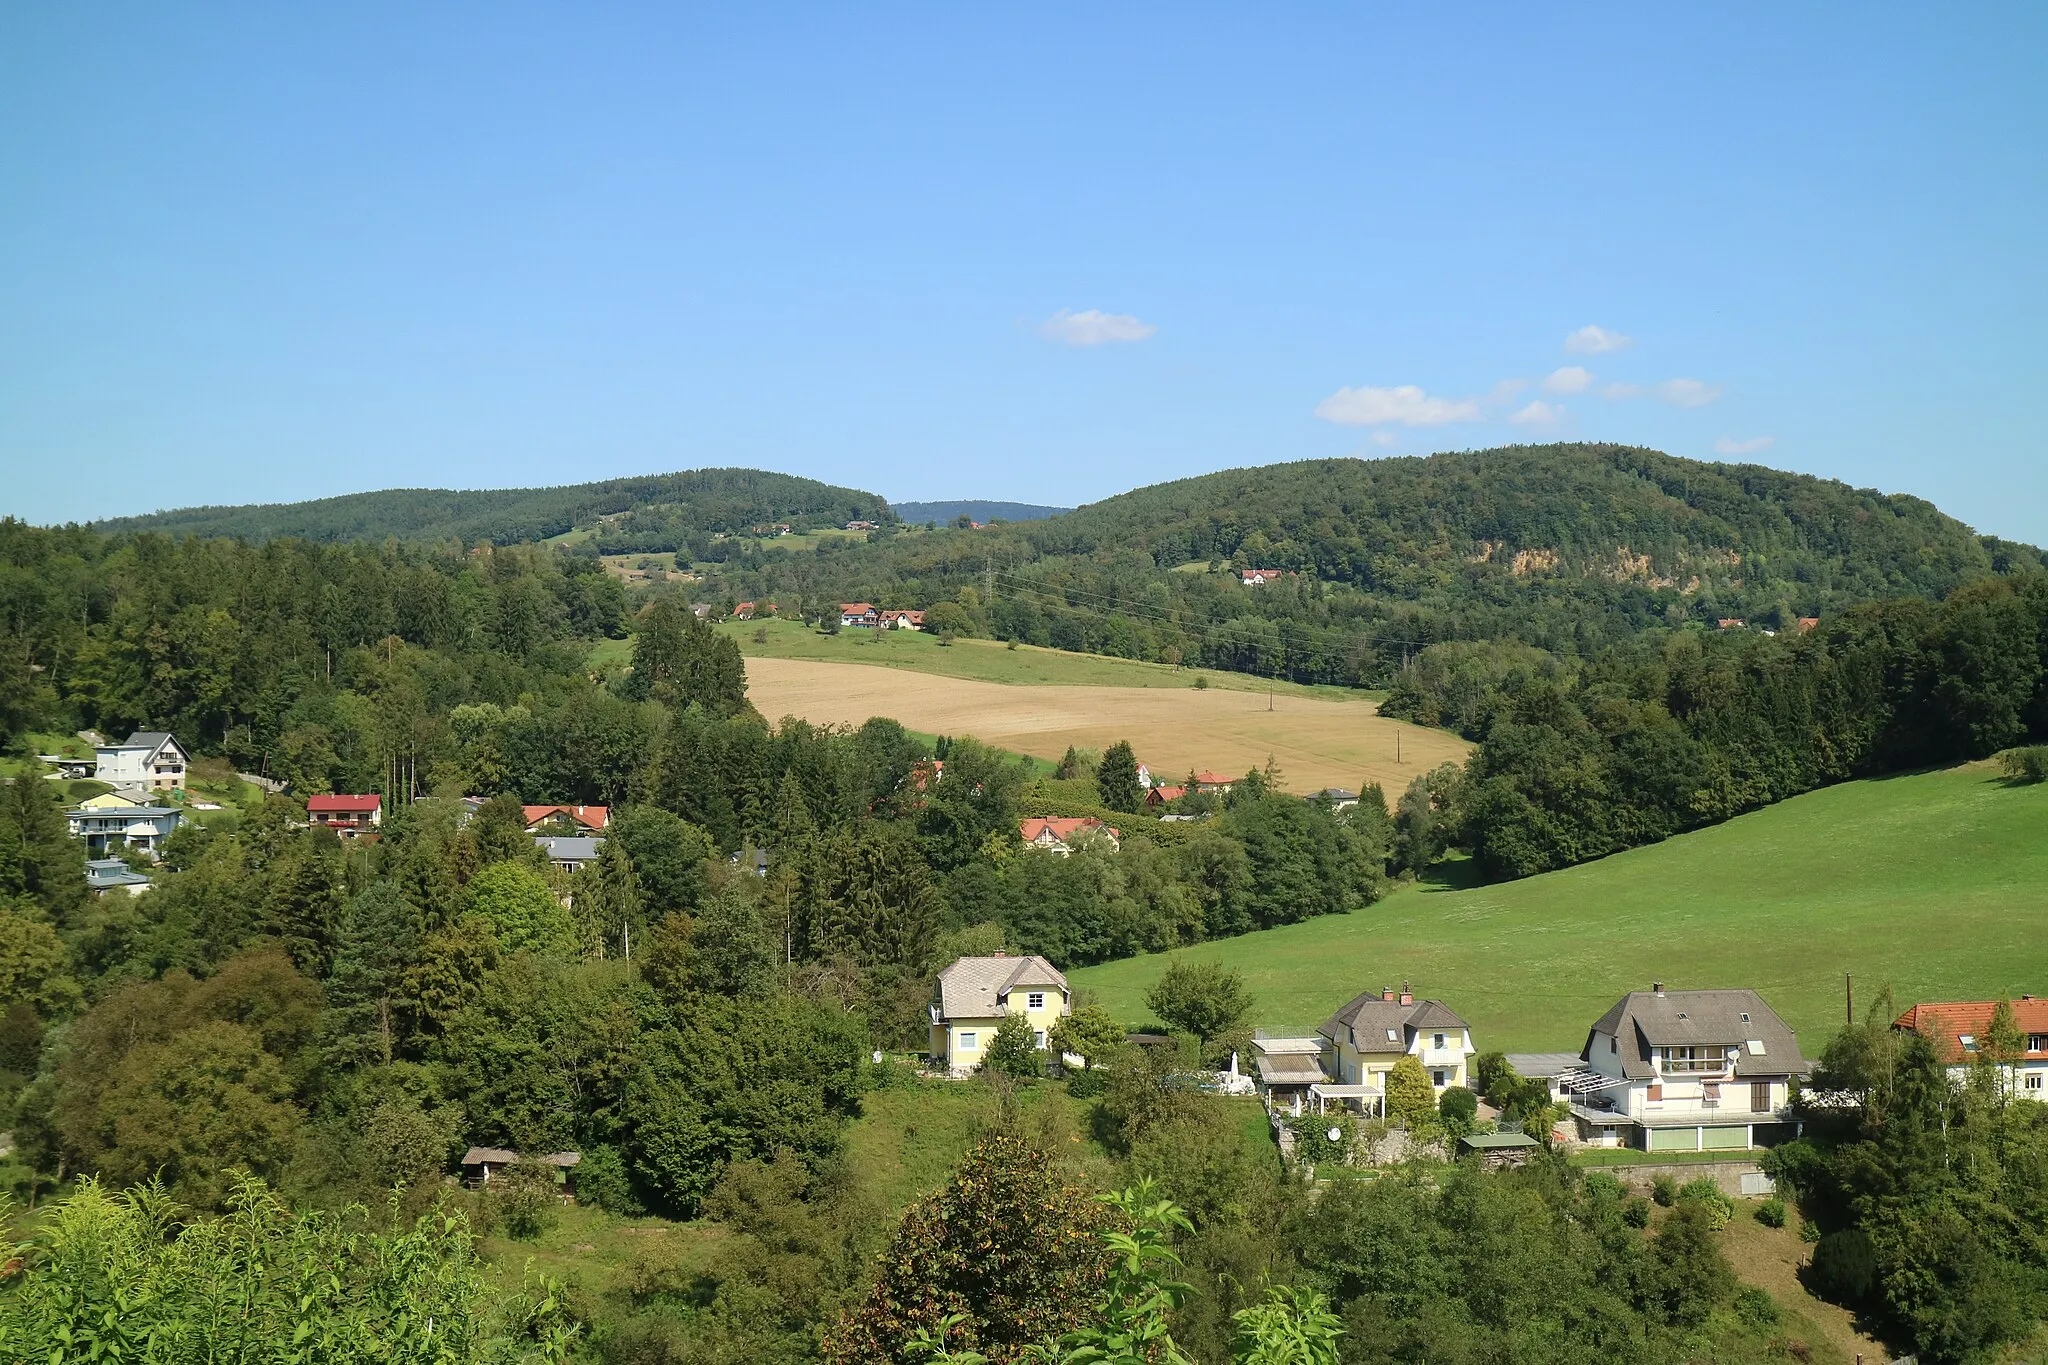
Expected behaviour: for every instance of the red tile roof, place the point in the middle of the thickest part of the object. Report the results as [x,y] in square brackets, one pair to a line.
[1061,828]
[1216,780]
[318,805]
[1165,793]
[1945,1024]
[591,817]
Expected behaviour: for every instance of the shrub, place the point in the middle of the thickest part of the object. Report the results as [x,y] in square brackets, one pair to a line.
[1312,1143]
[1014,1050]
[1771,1213]
[2029,764]
[1459,1104]
[1201,680]
[1756,1308]
[1704,1192]
[527,1200]
[1844,1267]
[1636,1213]
[1665,1191]
[1087,1083]
[1809,1231]
[602,1180]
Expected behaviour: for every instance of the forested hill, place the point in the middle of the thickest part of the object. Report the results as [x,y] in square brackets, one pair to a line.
[1618,513]
[649,512]
[976,509]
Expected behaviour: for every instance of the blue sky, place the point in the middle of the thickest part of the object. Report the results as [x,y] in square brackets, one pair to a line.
[1041,252]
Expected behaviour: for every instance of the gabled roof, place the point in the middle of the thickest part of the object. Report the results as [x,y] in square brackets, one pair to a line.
[1369,1017]
[590,817]
[1218,779]
[973,987]
[1946,1024]
[1062,828]
[856,608]
[339,803]
[148,740]
[1643,1021]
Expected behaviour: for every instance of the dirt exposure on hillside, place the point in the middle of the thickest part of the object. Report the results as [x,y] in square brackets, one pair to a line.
[1317,743]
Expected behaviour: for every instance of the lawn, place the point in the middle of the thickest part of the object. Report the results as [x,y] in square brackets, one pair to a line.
[1932,882]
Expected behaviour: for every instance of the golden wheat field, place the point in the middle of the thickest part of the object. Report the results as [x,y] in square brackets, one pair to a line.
[1317,742]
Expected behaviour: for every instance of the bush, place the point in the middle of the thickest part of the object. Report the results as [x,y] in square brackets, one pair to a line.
[602,1181]
[1312,1144]
[1458,1104]
[1665,1191]
[1771,1213]
[1636,1213]
[1704,1192]
[1756,1308]
[1087,1083]
[1809,1231]
[1844,1267]
[2029,764]
[527,1200]
[1201,680]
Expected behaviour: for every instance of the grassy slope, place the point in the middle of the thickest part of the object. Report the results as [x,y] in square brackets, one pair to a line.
[1930,882]
[983,660]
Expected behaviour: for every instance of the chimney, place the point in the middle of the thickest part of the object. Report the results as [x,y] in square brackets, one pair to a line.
[1387,994]
[1406,998]
[1657,988]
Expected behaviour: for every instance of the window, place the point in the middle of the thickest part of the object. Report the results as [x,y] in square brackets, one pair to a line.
[1439,1078]
[2037,1042]
[1759,1097]
[1613,1045]
[1969,1042]
[967,1040]
[1036,1001]
[2033,1080]
[1654,1094]
[1695,1058]
[1041,1040]
[1436,1040]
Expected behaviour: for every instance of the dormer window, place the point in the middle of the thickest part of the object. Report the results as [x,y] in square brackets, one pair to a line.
[1745,1016]
[1035,1000]
[1393,1037]
[1969,1042]
[1436,1040]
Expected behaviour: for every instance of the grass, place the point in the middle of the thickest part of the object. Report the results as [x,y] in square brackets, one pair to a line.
[985,660]
[1930,882]
[1769,1259]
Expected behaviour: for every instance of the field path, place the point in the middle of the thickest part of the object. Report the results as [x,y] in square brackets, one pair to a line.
[1317,742]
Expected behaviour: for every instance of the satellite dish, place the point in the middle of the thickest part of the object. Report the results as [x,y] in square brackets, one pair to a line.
[1336,1134]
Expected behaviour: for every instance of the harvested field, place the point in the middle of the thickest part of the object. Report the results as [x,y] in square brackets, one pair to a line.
[1318,742]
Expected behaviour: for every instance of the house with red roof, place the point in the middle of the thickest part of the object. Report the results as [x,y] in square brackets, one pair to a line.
[859,614]
[902,620]
[1214,782]
[1061,835]
[1259,578]
[345,815]
[1163,795]
[1960,1031]
[566,819]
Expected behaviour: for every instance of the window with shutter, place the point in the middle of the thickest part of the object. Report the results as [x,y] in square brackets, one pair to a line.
[1759,1097]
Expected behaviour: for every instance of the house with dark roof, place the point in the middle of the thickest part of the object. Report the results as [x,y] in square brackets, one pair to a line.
[1687,1071]
[975,993]
[111,874]
[149,759]
[570,852]
[1373,1031]
[1961,1033]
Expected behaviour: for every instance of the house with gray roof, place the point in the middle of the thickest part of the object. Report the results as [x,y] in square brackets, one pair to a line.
[1373,1031]
[571,853]
[1687,1071]
[103,827]
[111,874]
[149,759]
[974,994]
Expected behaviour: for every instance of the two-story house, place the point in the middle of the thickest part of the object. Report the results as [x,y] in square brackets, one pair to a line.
[104,827]
[862,614]
[974,994]
[1687,1071]
[149,759]
[1365,1038]
[1961,1033]
[570,820]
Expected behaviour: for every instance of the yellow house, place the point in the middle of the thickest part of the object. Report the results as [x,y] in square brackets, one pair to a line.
[1365,1038]
[974,994]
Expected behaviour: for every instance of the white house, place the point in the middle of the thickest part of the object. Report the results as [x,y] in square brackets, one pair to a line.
[1364,1039]
[975,993]
[148,758]
[1062,835]
[111,874]
[143,827]
[1687,1071]
[1960,1032]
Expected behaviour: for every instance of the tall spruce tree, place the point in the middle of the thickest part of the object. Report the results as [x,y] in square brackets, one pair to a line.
[1117,778]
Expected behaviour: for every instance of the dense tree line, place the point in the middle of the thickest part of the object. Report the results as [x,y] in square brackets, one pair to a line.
[1683,729]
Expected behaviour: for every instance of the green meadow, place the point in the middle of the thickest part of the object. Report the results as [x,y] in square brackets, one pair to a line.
[982,660]
[1934,883]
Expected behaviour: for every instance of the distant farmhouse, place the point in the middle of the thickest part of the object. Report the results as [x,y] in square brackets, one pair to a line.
[1062,836]
[975,994]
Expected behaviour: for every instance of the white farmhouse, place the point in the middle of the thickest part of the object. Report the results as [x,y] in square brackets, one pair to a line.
[149,759]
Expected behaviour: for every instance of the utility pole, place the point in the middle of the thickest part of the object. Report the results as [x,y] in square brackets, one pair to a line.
[1397,748]
[1849,997]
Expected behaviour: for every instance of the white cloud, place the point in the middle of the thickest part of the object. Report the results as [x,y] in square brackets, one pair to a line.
[1093,327]
[1406,404]
[1687,393]
[1539,414]
[1728,445]
[1614,393]
[1591,340]
[1570,379]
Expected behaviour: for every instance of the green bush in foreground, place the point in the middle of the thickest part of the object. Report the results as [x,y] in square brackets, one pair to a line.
[118,1276]
[2029,764]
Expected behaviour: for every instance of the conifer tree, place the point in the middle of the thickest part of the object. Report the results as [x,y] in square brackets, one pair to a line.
[1117,778]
